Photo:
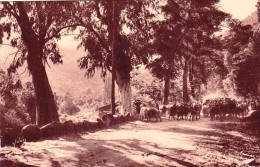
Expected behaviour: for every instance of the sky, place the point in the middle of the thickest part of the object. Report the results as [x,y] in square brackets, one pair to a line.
[239,9]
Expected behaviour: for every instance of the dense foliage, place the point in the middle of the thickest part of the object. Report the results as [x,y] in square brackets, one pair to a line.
[243,60]
[17,103]
[35,27]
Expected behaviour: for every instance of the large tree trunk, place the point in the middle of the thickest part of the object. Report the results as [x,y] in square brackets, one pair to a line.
[166,90]
[125,94]
[121,63]
[46,106]
[122,73]
[185,83]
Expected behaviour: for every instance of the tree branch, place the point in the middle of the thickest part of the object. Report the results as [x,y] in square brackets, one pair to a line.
[10,9]
[40,20]
[99,39]
[89,27]
[56,35]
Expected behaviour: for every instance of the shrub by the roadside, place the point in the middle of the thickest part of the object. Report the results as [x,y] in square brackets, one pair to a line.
[9,135]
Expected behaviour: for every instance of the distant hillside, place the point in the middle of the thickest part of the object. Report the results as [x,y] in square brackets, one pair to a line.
[252,20]
[67,77]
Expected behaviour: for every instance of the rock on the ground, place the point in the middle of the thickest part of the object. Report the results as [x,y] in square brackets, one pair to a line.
[31,133]
[112,119]
[69,126]
[47,130]
[101,124]
[86,125]
[123,119]
[79,126]
[128,117]
[58,128]
[118,120]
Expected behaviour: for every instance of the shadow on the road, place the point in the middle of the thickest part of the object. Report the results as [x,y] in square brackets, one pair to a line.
[78,150]
[224,137]
[181,162]
[9,163]
[192,131]
[93,152]
[124,150]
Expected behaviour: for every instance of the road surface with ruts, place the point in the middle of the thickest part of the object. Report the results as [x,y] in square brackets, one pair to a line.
[166,143]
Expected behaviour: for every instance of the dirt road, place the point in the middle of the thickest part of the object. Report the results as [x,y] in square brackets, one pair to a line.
[167,143]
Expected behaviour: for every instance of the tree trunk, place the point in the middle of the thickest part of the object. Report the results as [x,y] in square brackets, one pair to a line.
[166,90]
[113,106]
[125,94]
[120,61]
[46,106]
[185,83]
[191,79]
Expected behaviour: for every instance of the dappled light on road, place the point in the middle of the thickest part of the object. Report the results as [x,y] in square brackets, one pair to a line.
[168,143]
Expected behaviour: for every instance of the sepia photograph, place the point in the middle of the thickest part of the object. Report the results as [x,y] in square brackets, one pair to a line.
[130,83]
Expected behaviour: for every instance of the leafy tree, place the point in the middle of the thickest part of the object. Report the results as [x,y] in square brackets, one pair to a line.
[104,22]
[186,40]
[258,10]
[206,60]
[165,66]
[244,59]
[13,112]
[68,105]
[247,59]
[29,100]
[146,88]
[247,79]
[36,27]
[238,43]
[9,85]
[4,28]
[237,40]
[201,47]
[164,71]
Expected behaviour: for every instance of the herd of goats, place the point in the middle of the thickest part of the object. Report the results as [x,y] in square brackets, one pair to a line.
[216,109]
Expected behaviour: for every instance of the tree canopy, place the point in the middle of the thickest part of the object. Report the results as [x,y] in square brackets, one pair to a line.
[35,28]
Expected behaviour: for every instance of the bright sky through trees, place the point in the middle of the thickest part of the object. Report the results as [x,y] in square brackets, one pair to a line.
[239,9]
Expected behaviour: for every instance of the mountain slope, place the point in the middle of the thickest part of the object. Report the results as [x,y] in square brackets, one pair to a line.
[252,20]
[67,77]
